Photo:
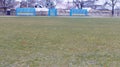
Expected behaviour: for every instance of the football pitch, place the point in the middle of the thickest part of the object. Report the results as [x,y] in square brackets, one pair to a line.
[59,42]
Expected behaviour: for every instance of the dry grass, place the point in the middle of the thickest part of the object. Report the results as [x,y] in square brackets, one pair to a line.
[59,42]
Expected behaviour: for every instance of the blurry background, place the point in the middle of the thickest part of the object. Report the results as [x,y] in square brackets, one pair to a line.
[44,5]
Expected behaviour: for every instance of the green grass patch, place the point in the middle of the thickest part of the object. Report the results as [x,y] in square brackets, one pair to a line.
[59,42]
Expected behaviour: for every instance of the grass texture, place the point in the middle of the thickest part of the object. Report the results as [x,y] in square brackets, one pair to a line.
[59,42]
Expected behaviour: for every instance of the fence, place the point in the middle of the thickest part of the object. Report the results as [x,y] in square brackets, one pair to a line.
[52,12]
[57,12]
[25,12]
[78,12]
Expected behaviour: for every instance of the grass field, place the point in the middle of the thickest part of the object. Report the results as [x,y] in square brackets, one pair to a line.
[59,42]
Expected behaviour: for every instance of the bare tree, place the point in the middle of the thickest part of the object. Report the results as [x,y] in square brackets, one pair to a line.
[112,3]
[79,3]
[49,4]
[23,4]
[5,4]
